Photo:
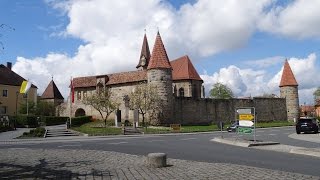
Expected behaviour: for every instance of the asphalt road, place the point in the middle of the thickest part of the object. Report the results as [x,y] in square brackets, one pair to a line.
[198,147]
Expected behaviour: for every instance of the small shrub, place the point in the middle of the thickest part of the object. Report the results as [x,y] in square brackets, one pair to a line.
[38,132]
[78,121]
[54,120]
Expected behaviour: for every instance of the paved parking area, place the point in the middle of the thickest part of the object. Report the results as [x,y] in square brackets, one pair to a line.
[24,163]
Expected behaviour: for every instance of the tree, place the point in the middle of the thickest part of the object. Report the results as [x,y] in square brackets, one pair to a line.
[30,107]
[221,91]
[316,95]
[102,101]
[145,99]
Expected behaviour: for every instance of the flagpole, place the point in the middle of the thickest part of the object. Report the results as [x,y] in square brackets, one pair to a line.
[27,104]
[71,87]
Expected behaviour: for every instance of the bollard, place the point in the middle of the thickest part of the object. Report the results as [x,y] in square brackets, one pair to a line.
[156,160]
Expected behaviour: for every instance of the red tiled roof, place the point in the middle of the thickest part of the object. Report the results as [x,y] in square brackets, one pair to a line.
[125,77]
[287,78]
[117,78]
[145,51]
[9,77]
[159,57]
[306,108]
[52,92]
[88,81]
[183,69]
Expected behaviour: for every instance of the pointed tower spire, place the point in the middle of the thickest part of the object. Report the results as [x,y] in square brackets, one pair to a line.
[287,78]
[159,57]
[289,91]
[145,54]
[52,92]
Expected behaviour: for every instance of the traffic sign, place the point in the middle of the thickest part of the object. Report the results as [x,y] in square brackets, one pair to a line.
[247,117]
[246,123]
[245,130]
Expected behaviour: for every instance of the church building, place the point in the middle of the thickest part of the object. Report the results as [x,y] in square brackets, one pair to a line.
[176,78]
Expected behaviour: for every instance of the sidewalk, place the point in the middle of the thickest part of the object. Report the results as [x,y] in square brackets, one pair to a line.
[10,135]
[17,163]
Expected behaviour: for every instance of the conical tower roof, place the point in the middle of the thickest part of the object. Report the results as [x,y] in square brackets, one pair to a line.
[159,57]
[182,68]
[145,53]
[287,78]
[52,92]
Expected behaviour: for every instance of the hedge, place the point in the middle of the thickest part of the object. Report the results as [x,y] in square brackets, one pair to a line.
[78,121]
[53,120]
[27,121]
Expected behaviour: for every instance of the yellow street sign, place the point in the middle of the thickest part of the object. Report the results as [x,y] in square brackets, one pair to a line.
[247,117]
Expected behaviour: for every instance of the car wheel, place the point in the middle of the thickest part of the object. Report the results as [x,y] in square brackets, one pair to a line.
[316,131]
[298,132]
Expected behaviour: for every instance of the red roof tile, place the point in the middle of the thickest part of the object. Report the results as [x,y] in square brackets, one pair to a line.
[159,57]
[183,69]
[126,77]
[287,78]
[52,92]
[145,51]
[117,78]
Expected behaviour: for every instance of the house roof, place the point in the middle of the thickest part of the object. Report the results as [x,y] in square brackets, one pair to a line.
[9,77]
[159,57]
[307,108]
[145,52]
[116,78]
[183,69]
[52,92]
[287,78]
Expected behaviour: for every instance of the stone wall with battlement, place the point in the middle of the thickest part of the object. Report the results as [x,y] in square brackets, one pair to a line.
[206,111]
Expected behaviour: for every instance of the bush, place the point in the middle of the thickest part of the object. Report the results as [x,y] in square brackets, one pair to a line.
[53,120]
[38,132]
[78,121]
[27,121]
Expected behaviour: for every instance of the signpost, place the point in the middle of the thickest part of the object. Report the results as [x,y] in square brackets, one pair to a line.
[246,118]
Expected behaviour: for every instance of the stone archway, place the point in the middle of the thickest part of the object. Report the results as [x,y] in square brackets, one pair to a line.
[80,112]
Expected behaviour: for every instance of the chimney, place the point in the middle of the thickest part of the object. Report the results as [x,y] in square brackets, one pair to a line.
[9,65]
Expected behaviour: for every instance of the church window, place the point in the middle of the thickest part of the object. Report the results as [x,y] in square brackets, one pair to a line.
[181,92]
[79,95]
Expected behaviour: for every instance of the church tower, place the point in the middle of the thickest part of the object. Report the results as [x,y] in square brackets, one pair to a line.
[289,91]
[159,73]
[144,55]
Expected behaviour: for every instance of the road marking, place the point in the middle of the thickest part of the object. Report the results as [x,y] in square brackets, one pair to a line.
[186,139]
[275,130]
[272,134]
[156,140]
[260,131]
[118,143]
[287,133]
[75,145]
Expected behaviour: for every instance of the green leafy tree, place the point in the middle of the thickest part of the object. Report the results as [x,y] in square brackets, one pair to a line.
[103,102]
[45,108]
[145,99]
[316,95]
[31,106]
[221,91]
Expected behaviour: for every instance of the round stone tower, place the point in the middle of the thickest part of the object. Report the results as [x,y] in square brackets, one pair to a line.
[159,74]
[289,91]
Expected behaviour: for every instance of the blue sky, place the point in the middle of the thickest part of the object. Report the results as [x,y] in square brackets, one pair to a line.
[241,44]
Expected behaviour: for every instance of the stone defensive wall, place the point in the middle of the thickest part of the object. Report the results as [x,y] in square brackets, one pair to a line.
[189,111]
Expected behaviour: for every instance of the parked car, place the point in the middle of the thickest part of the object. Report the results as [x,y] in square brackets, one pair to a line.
[307,124]
[233,127]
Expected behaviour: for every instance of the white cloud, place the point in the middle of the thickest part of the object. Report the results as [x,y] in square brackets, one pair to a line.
[113,33]
[265,62]
[255,82]
[299,19]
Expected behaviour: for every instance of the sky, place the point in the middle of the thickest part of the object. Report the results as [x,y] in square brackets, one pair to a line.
[242,44]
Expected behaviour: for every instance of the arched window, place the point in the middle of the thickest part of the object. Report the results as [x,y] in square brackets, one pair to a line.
[80,112]
[181,92]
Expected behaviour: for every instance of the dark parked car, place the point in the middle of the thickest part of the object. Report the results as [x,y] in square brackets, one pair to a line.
[307,124]
[233,127]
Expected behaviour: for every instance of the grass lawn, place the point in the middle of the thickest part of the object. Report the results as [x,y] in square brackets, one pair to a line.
[98,129]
